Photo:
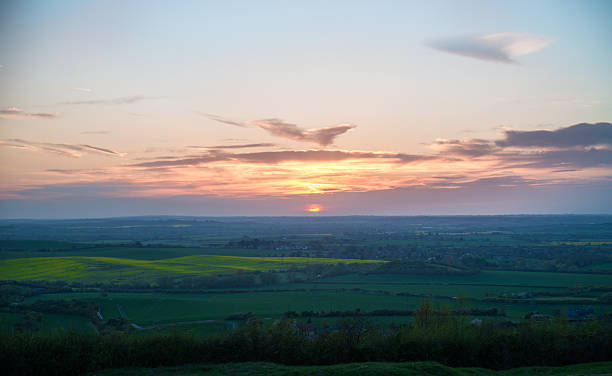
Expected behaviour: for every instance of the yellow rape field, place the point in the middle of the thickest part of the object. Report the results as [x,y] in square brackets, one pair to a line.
[79,268]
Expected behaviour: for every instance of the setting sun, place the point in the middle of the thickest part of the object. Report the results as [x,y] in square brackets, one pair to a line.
[314,208]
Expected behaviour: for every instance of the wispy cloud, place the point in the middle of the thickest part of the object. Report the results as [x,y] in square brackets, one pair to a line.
[456,163]
[275,157]
[468,148]
[559,159]
[67,150]
[240,146]
[224,120]
[498,47]
[82,89]
[110,101]
[277,127]
[321,136]
[239,170]
[95,132]
[14,112]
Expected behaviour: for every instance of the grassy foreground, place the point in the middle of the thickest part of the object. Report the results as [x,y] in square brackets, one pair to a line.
[404,369]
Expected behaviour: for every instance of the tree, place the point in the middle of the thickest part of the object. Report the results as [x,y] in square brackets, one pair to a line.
[423,316]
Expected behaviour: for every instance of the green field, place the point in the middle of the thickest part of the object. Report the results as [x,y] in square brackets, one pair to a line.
[152,309]
[204,313]
[491,277]
[7,320]
[50,322]
[106,269]
[155,309]
[358,369]
[477,285]
[606,266]
[176,280]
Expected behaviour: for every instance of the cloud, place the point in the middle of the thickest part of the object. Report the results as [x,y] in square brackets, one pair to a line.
[79,189]
[502,195]
[224,120]
[573,147]
[82,89]
[498,47]
[274,157]
[14,112]
[325,156]
[465,148]
[578,146]
[578,135]
[277,127]
[565,159]
[477,167]
[110,101]
[321,136]
[97,149]
[241,146]
[78,172]
[67,150]
[95,132]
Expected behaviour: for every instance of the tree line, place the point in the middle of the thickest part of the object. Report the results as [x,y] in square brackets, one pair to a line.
[431,336]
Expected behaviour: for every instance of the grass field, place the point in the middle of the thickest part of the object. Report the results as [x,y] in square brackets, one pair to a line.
[105,269]
[489,277]
[7,320]
[606,266]
[477,286]
[378,369]
[50,322]
[152,309]
[155,309]
[204,313]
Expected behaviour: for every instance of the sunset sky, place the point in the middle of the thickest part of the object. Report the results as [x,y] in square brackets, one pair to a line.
[114,108]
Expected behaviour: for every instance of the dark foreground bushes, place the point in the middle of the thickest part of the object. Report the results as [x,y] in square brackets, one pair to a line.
[451,341]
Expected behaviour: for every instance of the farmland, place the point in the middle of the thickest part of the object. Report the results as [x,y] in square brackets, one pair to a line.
[154,309]
[91,269]
[190,274]
[139,283]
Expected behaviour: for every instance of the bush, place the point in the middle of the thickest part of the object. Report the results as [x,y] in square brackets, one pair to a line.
[443,338]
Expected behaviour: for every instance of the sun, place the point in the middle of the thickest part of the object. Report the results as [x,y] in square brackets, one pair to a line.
[314,208]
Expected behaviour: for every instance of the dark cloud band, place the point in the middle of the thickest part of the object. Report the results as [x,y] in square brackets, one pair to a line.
[578,135]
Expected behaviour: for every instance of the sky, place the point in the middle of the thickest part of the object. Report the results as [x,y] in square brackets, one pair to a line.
[304,108]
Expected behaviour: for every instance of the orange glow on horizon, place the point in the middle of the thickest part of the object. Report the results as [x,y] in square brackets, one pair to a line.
[314,208]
